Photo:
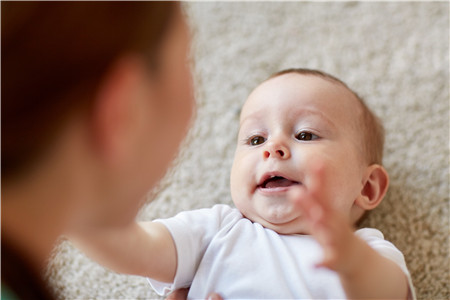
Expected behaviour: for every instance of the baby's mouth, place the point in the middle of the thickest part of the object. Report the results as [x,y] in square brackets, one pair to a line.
[277,182]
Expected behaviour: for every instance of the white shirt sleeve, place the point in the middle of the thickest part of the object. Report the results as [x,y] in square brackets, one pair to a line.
[376,240]
[192,232]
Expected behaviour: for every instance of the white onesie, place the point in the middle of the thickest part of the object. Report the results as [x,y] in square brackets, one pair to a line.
[221,251]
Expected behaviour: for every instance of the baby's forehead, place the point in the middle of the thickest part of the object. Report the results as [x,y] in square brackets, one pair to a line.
[320,91]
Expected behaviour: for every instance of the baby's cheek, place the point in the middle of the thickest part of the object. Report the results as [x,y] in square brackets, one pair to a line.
[236,183]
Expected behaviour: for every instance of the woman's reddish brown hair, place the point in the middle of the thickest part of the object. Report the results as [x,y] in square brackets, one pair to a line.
[54,55]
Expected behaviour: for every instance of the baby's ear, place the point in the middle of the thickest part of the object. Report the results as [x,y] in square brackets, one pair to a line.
[375,185]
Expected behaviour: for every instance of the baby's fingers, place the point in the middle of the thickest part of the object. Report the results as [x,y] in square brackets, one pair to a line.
[314,183]
[302,199]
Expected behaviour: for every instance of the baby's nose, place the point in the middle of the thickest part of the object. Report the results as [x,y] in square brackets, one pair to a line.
[276,150]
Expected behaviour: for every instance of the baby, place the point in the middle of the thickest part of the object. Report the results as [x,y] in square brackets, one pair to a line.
[307,167]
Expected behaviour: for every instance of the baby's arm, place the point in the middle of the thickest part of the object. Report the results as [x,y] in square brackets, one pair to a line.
[144,249]
[364,273]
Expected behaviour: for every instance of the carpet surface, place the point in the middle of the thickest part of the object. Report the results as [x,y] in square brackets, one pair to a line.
[395,55]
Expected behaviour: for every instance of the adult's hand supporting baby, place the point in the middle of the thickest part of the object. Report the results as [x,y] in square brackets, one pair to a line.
[181,294]
[364,273]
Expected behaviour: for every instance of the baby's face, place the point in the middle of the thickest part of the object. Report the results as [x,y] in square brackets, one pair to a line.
[287,124]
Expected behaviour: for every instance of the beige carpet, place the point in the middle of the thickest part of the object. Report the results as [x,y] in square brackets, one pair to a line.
[394,54]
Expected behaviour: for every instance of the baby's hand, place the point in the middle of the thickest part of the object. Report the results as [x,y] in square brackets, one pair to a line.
[328,226]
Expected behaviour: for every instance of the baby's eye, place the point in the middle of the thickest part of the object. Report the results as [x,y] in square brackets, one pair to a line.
[256,140]
[306,136]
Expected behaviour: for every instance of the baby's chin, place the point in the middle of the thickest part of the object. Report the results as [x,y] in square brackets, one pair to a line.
[293,226]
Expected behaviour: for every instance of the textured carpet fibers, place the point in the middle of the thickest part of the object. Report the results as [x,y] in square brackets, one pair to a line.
[395,55]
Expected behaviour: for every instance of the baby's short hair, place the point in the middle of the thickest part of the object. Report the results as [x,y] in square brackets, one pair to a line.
[372,127]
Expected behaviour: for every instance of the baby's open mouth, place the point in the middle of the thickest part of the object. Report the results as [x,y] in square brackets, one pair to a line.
[277,182]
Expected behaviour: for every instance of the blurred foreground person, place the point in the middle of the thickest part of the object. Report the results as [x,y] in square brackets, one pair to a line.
[96,98]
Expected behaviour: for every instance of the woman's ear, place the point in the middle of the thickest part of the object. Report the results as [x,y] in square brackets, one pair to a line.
[116,111]
[375,185]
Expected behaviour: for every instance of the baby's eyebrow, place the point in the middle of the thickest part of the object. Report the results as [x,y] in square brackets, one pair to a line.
[254,115]
[307,112]
[302,113]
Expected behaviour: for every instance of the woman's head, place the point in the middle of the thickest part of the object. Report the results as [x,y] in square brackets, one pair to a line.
[118,68]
